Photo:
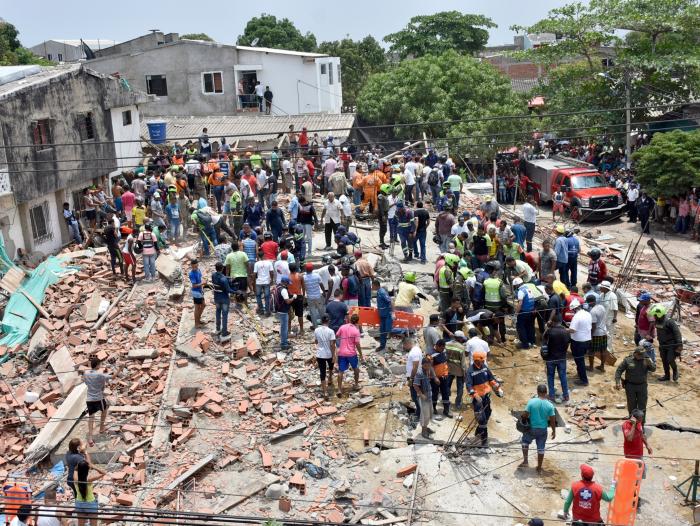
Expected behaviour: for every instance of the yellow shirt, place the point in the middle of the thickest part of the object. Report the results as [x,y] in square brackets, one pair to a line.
[560,288]
[404,297]
[139,214]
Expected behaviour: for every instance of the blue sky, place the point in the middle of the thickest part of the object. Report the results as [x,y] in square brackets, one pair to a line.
[39,20]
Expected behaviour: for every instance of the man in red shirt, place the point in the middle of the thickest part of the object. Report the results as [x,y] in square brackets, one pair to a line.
[269,247]
[585,495]
[635,439]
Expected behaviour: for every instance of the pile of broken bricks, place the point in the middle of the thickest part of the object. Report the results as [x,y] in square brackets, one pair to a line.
[587,416]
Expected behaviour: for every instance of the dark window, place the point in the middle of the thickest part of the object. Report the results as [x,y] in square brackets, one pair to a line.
[86,126]
[330,73]
[60,57]
[50,56]
[212,82]
[339,81]
[157,85]
[41,132]
[323,69]
[126,118]
[39,216]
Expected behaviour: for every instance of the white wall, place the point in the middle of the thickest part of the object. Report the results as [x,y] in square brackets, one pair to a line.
[55,242]
[128,153]
[295,81]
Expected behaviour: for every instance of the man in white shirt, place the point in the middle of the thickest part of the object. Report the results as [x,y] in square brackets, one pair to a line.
[529,220]
[599,332]
[324,337]
[459,227]
[632,196]
[281,267]
[259,94]
[47,514]
[580,329]
[332,210]
[475,343]
[264,273]
[409,171]
[608,299]
[413,365]
[287,177]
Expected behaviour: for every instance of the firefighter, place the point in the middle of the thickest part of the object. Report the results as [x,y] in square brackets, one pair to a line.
[446,280]
[370,185]
[496,300]
[439,358]
[457,367]
[406,229]
[480,382]
[585,495]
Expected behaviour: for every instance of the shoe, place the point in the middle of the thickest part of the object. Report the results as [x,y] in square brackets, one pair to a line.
[580,382]
[425,434]
[663,379]
[431,431]
[447,414]
[565,399]
[675,377]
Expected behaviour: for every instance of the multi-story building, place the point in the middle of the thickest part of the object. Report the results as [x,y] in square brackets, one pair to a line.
[57,50]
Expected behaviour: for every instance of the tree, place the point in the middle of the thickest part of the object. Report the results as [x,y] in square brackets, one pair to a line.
[669,164]
[197,36]
[267,31]
[358,60]
[435,34]
[580,33]
[445,88]
[11,51]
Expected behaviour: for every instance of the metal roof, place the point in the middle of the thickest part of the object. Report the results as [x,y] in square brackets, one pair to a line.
[33,77]
[253,128]
[280,51]
[98,43]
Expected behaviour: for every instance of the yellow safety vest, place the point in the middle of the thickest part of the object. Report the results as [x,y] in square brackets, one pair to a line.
[492,290]
[443,281]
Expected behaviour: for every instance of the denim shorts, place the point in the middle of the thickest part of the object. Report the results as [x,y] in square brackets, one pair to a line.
[344,362]
[539,435]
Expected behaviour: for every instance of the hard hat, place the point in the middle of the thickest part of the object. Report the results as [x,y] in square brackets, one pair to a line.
[267,235]
[385,188]
[327,259]
[575,304]
[560,229]
[605,284]
[284,254]
[399,204]
[479,356]
[460,334]
[451,259]
[658,311]
[644,296]
[594,253]
[463,263]
[517,282]
[284,280]
[488,198]
[409,277]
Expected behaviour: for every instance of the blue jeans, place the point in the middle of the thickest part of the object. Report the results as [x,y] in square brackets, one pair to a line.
[579,351]
[384,330]
[174,229]
[420,240]
[393,229]
[211,234]
[356,196]
[149,265]
[222,316]
[460,388]
[572,269]
[563,274]
[558,366]
[261,290]
[455,198]
[406,244]
[539,435]
[283,317]
[75,232]
[414,397]
[525,326]
[502,195]
[365,299]
[529,234]
[434,194]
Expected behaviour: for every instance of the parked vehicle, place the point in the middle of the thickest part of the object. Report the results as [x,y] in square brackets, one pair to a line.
[586,192]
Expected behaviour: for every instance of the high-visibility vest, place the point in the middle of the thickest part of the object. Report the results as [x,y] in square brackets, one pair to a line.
[458,244]
[444,281]
[455,351]
[492,289]
[466,272]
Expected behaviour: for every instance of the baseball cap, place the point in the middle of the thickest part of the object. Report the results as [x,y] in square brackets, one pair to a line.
[587,471]
[309,266]
[459,334]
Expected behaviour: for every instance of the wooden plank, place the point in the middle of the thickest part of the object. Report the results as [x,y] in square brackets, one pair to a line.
[36,304]
[64,368]
[102,319]
[92,307]
[186,475]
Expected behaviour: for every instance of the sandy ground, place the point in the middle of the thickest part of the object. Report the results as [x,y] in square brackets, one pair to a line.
[492,483]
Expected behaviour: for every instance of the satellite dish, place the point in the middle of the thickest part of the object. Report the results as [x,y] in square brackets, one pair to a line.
[255,42]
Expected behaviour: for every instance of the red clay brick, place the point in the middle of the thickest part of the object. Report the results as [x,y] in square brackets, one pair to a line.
[266,408]
[326,410]
[266,458]
[339,420]
[126,499]
[214,409]
[243,407]
[296,455]
[405,472]
[214,396]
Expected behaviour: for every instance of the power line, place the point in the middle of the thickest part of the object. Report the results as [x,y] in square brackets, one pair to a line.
[374,126]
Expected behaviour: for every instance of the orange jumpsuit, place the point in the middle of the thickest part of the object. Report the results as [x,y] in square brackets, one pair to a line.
[370,188]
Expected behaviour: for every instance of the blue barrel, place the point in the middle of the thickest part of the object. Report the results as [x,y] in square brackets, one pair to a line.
[157,131]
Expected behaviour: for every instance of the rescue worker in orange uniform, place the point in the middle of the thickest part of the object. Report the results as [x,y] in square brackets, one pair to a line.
[585,495]
[15,494]
[480,382]
[370,188]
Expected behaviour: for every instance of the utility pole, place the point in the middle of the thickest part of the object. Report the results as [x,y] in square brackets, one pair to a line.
[628,121]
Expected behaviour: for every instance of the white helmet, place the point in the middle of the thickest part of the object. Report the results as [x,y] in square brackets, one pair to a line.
[575,304]
[517,282]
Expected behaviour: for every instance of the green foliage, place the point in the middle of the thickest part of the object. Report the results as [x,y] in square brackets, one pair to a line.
[441,32]
[197,36]
[358,60]
[670,163]
[274,33]
[443,88]
[11,51]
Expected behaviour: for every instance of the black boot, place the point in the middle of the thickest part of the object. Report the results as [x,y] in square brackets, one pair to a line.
[446,410]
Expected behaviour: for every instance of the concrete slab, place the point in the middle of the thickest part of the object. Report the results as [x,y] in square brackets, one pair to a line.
[64,367]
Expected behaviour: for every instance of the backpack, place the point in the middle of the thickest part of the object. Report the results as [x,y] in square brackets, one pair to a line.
[433,178]
[479,295]
[276,300]
[353,285]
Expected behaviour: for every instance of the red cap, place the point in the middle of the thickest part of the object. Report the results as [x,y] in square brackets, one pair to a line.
[586,471]
[284,254]
[309,266]
[358,253]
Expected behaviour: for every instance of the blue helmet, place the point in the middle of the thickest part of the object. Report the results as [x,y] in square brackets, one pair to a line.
[399,204]
[644,296]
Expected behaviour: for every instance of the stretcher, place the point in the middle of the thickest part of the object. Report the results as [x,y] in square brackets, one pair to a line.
[369,317]
[623,509]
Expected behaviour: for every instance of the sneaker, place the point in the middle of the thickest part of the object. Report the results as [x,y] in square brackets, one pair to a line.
[663,379]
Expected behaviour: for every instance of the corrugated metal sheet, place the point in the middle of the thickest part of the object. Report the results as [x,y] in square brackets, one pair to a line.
[254,128]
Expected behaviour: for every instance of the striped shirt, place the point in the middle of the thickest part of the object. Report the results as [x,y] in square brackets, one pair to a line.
[250,247]
[312,282]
